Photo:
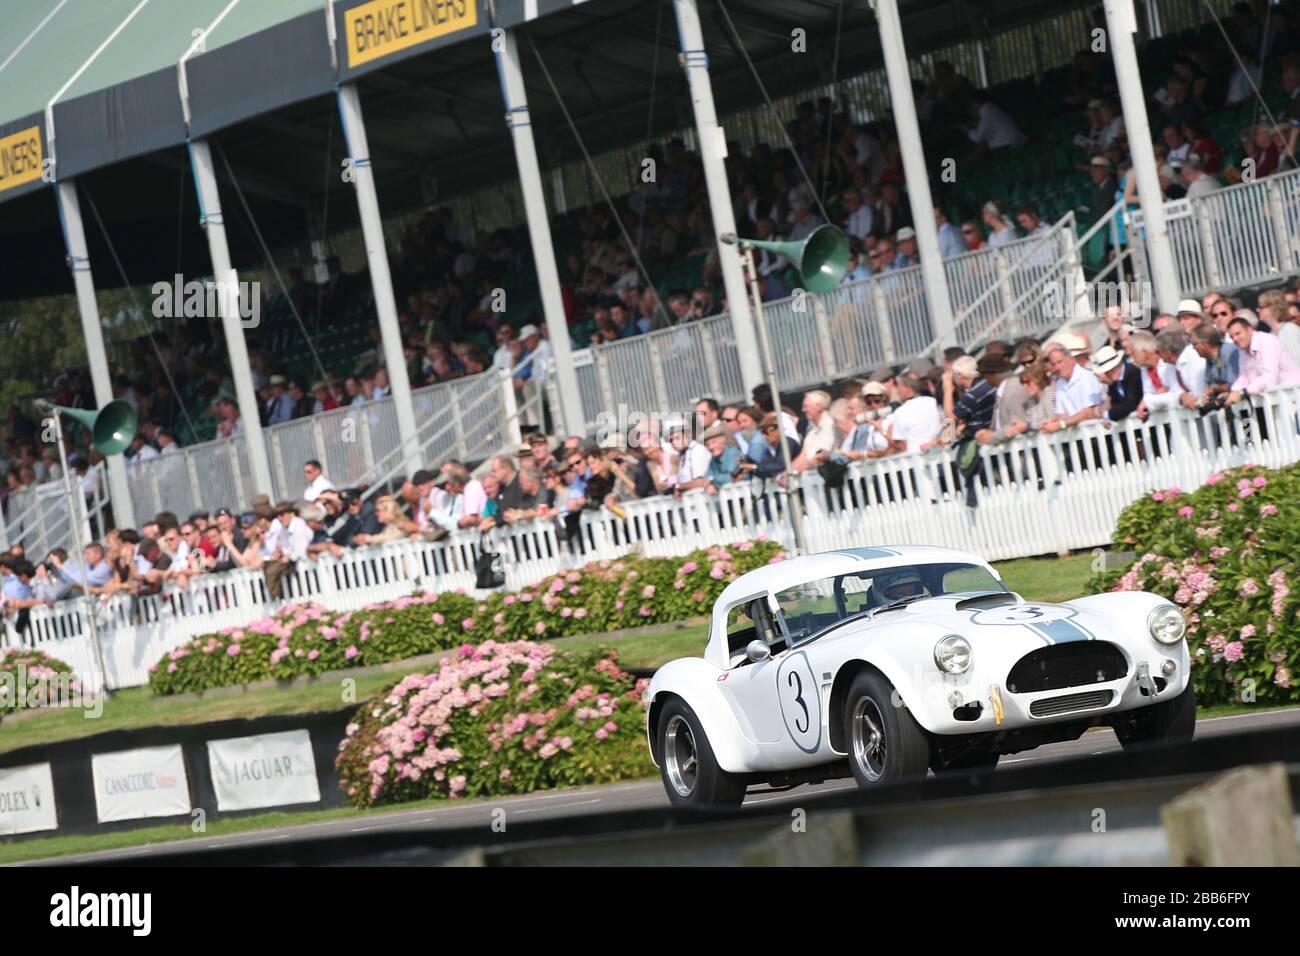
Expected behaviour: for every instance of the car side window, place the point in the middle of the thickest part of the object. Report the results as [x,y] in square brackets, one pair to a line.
[741,629]
[748,621]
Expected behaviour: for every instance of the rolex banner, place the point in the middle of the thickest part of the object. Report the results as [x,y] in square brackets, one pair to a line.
[27,799]
[135,784]
[269,770]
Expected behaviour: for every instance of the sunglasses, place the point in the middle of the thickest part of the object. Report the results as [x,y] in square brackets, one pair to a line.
[875,399]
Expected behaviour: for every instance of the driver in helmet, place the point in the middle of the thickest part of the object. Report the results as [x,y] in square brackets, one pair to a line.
[900,586]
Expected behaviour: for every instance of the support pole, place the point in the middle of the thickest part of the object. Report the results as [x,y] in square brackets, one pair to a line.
[515,96]
[381,279]
[74,240]
[793,495]
[1121,23]
[228,304]
[713,152]
[76,505]
[918,177]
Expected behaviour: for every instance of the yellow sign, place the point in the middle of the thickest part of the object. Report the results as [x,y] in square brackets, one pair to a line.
[21,158]
[382,27]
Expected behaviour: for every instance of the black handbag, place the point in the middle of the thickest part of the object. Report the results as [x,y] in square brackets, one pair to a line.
[489,570]
[833,473]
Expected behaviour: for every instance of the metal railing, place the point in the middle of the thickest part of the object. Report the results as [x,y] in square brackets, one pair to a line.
[1037,494]
[1238,236]
[37,517]
[883,319]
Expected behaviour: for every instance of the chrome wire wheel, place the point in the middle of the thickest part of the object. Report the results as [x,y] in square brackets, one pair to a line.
[681,759]
[869,738]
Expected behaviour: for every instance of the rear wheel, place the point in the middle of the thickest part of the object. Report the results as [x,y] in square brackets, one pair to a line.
[886,744]
[1171,720]
[690,772]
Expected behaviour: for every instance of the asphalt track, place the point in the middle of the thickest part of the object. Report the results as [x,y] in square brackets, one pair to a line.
[636,795]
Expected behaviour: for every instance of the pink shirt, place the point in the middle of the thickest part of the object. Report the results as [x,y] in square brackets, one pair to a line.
[1265,365]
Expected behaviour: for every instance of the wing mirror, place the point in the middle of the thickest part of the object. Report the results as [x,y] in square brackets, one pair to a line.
[757,651]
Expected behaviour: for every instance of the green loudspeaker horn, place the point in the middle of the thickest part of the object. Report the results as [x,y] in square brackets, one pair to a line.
[822,258]
[111,428]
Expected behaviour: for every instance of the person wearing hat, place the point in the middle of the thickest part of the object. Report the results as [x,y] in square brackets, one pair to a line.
[769,462]
[279,405]
[1104,184]
[286,545]
[538,349]
[1190,315]
[1123,381]
[540,447]
[907,249]
[724,457]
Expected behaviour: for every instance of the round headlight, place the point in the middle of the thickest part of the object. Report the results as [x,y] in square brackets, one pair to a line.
[1166,624]
[953,655]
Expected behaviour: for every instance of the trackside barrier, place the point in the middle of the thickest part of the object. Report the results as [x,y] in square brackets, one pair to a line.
[1037,494]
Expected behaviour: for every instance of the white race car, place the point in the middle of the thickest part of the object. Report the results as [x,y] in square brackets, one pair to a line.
[905,659]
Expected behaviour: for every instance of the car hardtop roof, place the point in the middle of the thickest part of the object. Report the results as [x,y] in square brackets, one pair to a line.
[829,564]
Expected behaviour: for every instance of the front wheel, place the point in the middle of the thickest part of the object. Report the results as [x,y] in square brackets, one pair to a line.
[690,772]
[886,744]
[1170,720]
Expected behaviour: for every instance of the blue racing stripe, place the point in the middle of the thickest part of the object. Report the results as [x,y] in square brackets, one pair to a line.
[1062,631]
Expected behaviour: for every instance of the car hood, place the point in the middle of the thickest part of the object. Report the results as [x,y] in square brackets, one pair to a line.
[1016,626]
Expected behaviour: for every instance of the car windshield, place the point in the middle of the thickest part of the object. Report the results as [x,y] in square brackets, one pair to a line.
[812,607]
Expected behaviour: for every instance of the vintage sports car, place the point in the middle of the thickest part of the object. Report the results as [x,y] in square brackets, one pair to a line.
[903,659]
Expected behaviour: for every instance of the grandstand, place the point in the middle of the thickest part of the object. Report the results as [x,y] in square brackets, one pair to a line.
[198,146]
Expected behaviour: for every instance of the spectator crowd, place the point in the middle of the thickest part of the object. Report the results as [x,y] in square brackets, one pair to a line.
[1212,354]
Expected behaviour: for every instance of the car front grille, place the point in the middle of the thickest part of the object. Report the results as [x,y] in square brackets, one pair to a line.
[1070,703]
[1059,666]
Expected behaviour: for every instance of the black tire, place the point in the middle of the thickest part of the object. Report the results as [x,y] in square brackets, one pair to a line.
[973,761]
[885,743]
[1171,720]
[701,783]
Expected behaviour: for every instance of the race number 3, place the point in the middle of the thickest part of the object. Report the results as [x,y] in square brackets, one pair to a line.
[1020,614]
[800,696]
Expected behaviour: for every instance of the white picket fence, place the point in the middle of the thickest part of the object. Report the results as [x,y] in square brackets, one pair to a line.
[1040,494]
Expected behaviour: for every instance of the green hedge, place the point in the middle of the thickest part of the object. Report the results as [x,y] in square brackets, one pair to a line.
[603,596]
[1226,554]
[497,719]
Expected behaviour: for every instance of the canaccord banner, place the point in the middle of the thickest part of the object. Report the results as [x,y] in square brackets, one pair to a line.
[134,784]
[27,799]
[268,770]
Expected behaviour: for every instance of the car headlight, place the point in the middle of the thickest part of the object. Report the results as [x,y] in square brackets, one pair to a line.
[1166,624]
[953,655]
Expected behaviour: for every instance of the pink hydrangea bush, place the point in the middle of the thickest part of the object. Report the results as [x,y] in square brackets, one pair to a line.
[31,678]
[1227,555]
[498,718]
[307,639]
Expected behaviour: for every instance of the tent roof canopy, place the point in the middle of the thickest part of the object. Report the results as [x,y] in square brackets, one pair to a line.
[262,88]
